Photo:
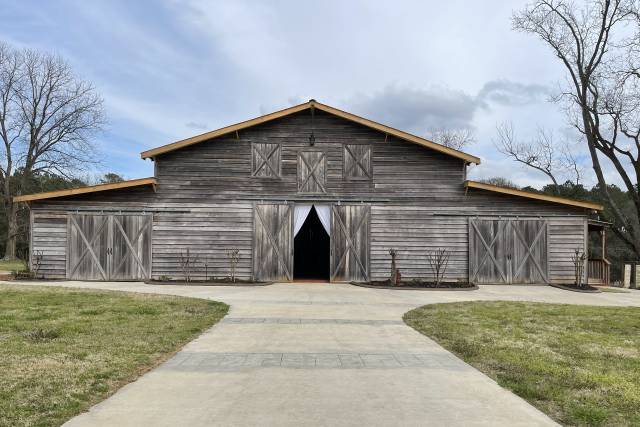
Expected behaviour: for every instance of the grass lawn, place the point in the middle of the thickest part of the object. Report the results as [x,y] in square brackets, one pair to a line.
[63,350]
[578,364]
[12,265]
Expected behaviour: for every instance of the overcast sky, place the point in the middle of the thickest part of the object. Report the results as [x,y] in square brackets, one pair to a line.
[169,70]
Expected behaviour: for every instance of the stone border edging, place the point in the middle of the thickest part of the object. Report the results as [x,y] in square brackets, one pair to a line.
[407,288]
[584,291]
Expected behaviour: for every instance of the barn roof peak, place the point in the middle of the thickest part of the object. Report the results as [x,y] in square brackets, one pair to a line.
[312,103]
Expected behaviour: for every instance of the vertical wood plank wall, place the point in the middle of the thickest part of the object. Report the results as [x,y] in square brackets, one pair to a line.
[206,195]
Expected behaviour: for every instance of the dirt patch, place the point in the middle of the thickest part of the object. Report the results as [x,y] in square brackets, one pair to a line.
[221,282]
[418,285]
[574,288]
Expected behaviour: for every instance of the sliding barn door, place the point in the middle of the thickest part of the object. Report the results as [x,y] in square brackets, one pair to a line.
[530,256]
[508,251]
[350,243]
[273,242]
[130,251]
[109,247]
[88,247]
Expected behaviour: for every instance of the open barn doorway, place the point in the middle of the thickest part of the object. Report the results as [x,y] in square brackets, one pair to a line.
[311,243]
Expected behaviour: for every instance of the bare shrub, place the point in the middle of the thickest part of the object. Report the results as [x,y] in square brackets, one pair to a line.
[438,260]
[187,262]
[233,255]
[36,263]
[578,259]
[206,270]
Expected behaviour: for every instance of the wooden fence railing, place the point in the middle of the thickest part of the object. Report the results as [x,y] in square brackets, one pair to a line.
[598,272]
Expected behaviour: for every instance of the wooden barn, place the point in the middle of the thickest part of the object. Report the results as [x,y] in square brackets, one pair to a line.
[309,192]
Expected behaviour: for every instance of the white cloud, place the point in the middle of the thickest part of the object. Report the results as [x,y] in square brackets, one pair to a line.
[180,67]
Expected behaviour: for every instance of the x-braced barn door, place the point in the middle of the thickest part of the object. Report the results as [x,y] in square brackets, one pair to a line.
[109,247]
[88,247]
[131,247]
[273,242]
[508,251]
[350,242]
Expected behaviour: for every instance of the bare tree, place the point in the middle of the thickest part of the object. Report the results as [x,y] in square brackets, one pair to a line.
[110,178]
[570,163]
[500,182]
[438,260]
[47,119]
[599,46]
[452,138]
[542,153]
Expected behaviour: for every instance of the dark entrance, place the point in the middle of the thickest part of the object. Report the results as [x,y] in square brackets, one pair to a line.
[311,250]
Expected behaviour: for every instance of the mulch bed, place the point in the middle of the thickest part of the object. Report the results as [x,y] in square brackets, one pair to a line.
[221,282]
[417,285]
[573,288]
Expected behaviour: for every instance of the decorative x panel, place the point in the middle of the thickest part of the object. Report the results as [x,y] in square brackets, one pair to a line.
[311,172]
[266,160]
[357,161]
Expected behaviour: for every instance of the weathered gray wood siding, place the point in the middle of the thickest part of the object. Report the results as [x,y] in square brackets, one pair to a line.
[413,230]
[565,236]
[49,241]
[206,195]
[208,232]
[222,169]
[49,219]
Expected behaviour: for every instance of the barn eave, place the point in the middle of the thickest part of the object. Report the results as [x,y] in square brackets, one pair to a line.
[85,190]
[535,196]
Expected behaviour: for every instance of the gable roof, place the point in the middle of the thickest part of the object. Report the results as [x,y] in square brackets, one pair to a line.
[85,190]
[536,196]
[301,107]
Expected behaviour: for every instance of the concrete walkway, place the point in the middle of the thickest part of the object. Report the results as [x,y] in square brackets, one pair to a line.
[321,354]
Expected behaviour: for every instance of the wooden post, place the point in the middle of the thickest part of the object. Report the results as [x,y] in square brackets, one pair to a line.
[393,279]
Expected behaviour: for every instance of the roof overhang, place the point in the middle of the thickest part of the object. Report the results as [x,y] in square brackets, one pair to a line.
[535,196]
[308,105]
[85,190]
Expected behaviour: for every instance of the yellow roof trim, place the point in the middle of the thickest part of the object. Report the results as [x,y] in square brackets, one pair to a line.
[84,190]
[307,105]
[536,196]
